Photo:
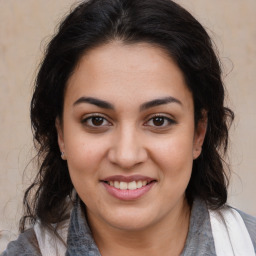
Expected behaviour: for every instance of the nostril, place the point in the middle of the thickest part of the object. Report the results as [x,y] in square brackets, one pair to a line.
[126,159]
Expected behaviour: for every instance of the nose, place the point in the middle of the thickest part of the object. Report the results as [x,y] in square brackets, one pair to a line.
[127,150]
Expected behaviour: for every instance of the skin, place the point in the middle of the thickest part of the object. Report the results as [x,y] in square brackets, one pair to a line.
[130,141]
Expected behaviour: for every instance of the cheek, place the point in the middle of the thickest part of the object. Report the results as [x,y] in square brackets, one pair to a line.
[175,160]
[83,161]
[176,152]
[84,155]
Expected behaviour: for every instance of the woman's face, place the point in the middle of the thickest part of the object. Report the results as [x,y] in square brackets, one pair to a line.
[128,135]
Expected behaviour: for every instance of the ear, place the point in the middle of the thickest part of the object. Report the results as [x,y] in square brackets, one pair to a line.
[60,138]
[200,131]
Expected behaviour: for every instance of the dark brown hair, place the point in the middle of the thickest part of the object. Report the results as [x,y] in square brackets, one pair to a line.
[92,23]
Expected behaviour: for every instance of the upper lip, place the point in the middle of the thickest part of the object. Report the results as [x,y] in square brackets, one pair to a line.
[128,178]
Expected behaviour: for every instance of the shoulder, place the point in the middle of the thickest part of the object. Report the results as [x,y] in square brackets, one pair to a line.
[235,229]
[250,223]
[26,244]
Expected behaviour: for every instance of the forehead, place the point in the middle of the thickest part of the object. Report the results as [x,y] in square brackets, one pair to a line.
[117,72]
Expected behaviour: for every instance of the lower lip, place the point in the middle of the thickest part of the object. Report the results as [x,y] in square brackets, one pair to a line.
[126,194]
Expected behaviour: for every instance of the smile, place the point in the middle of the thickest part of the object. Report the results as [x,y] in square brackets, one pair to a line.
[128,188]
[128,185]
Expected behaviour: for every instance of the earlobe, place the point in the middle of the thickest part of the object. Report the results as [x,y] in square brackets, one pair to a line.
[60,138]
[200,133]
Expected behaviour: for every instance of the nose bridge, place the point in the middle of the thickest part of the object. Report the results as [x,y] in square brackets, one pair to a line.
[128,149]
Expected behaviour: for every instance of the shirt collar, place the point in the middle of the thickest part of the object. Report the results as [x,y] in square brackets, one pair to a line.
[80,241]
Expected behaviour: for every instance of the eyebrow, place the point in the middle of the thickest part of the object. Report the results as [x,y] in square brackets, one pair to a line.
[158,102]
[144,106]
[94,101]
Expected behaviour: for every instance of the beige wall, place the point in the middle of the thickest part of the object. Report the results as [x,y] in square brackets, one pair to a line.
[25,27]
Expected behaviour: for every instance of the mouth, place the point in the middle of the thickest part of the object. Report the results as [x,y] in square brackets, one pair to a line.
[122,185]
[128,188]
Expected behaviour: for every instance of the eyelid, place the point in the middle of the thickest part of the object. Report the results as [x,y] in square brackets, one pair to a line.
[170,120]
[91,115]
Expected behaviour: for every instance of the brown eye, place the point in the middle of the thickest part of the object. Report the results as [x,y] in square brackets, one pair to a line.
[158,121]
[97,120]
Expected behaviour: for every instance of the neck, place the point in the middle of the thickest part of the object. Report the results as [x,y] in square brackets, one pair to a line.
[166,237]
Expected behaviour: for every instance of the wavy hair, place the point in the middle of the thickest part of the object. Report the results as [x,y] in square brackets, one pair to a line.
[162,23]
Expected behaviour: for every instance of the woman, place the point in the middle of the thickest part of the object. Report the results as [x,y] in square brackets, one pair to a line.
[129,121]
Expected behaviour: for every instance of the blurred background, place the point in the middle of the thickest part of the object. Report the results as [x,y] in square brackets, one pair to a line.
[25,28]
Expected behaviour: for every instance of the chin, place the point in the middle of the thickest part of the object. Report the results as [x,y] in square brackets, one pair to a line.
[130,225]
[131,220]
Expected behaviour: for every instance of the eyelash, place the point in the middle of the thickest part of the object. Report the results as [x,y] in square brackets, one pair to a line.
[88,121]
[165,119]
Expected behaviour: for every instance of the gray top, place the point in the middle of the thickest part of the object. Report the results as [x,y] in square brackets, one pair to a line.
[80,241]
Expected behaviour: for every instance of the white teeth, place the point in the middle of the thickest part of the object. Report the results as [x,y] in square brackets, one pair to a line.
[123,185]
[128,185]
[116,184]
[132,185]
[139,184]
